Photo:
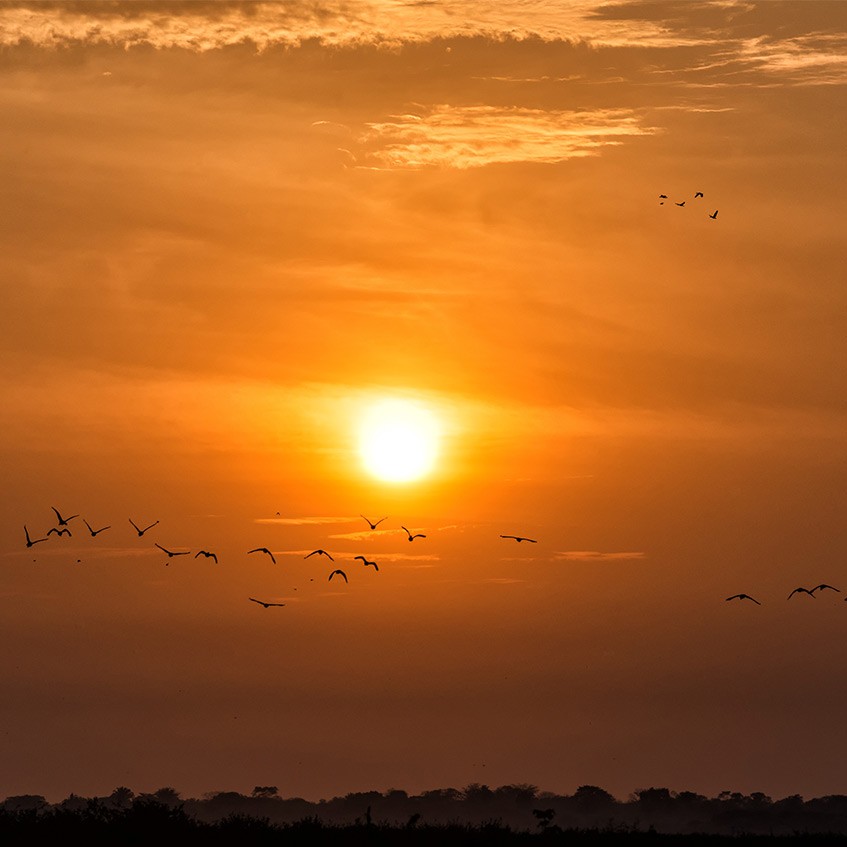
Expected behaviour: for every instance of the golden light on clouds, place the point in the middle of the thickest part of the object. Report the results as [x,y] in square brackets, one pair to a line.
[398,440]
[473,136]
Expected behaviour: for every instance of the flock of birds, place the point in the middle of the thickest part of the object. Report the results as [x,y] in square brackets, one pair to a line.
[800,590]
[62,528]
[697,196]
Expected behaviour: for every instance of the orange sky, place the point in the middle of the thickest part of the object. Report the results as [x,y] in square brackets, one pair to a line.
[227,229]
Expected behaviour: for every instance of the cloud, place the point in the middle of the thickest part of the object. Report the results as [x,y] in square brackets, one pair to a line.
[474,136]
[203,26]
[812,59]
[306,521]
[596,556]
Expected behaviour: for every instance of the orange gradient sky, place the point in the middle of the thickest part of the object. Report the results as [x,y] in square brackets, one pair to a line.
[230,229]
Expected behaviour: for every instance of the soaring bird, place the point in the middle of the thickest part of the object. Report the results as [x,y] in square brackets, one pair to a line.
[520,538]
[743,597]
[413,537]
[263,603]
[207,554]
[29,541]
[263,550]
[823,586]
[319,553]
[713,217]
[802,591]
[142,531]
[340,573]
[94,531]
[170,553]
[62,521]
[366,562]
[698,194]
[681,204]
[63,531]
[373,525]
[663,196]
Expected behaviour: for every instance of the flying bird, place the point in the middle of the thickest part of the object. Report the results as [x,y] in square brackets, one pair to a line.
[713,217]
[340,573]
[698,194]
[262,550]
[170,553]
[520,538]
[743,597]
[63,531]
[62,521]
[823,586]
[373,525]
[207,554]
[262,602]
[663,196]
[366,562]
[680,204]
[802,591]
[29,541]
[94,531]
[413,537]
[320,553]
[139,530]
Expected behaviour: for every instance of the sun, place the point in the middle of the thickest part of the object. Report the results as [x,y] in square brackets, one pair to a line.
[398,440]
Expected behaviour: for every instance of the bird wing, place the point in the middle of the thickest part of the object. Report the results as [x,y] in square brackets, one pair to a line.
[327,555]
[310,554]
[361,557]
[380,521]
[403,527]
[58,516]
[214,557]
[134,524]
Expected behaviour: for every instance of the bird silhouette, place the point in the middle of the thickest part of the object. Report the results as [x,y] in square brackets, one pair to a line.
[263,550]
[207,554]
[62,521]
[340,573]
[520,538]
[413,537]
[373,525]
[63,531]
[263,603]
[366,562]
[824,586]
[94,531]
[663,196]
[802,591]
[29,541]
[319,553]
[139,530]
[698,194]
[681,204]
[713,217]
[743,597]
[170,553]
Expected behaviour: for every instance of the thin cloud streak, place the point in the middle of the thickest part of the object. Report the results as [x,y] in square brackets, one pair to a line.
[474,136]
[306,521]
[597,556]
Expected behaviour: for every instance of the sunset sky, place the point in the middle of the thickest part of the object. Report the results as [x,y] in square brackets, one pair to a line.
[229,232]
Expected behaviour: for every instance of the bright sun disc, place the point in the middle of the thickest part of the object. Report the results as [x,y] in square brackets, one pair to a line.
[398,440]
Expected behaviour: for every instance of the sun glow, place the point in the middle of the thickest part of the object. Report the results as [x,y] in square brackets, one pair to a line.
[398,440]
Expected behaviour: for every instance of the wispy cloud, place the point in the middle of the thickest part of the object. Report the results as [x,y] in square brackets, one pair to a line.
[305,521]
[596,556]
[812,59]
[473,136]
[202,26]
